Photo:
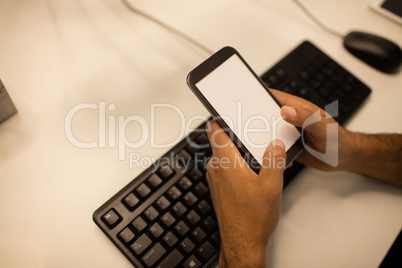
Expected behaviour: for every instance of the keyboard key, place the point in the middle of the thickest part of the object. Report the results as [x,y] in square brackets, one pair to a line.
[168,219]
[209,223]
[139,224]
[183,158]
[153,255]
[204,207]
[193,217]
[267,83]
[327,71]
[162,203]
[187,245]
[179,209]
[151,213]
[281,73]
[172,260]
[202,139]
[111,218]
[206,250]
[170,239]
[202,162]
[294,84]
[130,201]
[304,92]
[174,193]
[143,190]
[127,235]
[195,174]
[200,189]
[272,80]
[184,183]
[192,262]
[346,87]
[154,181]
[185,155]
[314,84]
[216,237]
[190,199]
[141,244]
[198,234]
[156,230]
[181,228]
[165,171]
[305,75]
[193,147]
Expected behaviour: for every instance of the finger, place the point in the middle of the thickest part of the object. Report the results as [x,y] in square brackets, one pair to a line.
[314,122]
[274,161]
[286,99]
[293,101]
[221,144]
[295,116]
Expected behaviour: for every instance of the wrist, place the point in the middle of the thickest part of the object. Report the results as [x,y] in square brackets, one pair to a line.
[350,151]
[251,257]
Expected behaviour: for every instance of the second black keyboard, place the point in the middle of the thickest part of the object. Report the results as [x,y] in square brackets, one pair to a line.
[164,217]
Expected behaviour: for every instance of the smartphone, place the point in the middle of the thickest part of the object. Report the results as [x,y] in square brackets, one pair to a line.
[243,106]
[390,8]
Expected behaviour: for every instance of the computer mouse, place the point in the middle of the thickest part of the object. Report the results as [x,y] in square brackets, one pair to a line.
[380,53]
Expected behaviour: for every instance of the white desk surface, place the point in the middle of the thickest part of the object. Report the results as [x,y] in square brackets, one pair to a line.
[55,55]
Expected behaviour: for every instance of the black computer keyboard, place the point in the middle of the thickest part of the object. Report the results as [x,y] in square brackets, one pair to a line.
[164,217]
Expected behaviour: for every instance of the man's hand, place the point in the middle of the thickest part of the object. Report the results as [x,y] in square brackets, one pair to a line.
[296,111]
[247,205]
[375,155]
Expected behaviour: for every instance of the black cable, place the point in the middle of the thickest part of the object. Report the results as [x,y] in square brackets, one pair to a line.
[319,23]
[168,27]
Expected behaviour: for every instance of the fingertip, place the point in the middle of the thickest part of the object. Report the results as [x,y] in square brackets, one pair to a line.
[276,148]
[274,160]
[288,111]
[278,143]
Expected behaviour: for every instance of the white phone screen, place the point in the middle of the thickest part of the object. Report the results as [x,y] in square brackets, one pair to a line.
[246,107]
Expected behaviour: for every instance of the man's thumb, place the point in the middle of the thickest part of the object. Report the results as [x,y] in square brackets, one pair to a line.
[295,116]
[274,160]
[314,122]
